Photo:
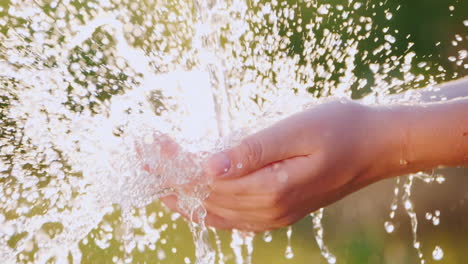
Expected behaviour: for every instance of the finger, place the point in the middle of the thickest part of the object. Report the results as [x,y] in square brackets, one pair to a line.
[271,218]
[248,209]
[239,202]
[262,226]
[154,149]
[261,218]
[167,146]
[240,216]
[283,140]
[274,179]
[211,219]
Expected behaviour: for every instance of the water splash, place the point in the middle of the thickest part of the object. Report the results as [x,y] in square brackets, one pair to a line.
[204,253]
[85,87]
[388,225]
[242,246]
[437,253]
[289,254]
[409,207]
[434,218]
[219,250]
[318,232]
[267,237]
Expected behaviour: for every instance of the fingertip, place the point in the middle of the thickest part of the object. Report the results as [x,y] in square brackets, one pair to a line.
[219,164]
[169,147]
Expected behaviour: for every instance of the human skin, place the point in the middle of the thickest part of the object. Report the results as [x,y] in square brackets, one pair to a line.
[316,157]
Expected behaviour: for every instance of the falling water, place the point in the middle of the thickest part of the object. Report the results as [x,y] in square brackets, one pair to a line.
[318,232]
[289,251]
[94,95]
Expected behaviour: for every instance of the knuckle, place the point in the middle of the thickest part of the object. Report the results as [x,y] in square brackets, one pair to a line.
[253,150]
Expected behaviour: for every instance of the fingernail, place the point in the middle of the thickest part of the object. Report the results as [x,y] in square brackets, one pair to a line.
[219,164]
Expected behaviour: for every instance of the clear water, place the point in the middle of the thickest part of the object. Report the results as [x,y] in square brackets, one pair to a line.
[90,92]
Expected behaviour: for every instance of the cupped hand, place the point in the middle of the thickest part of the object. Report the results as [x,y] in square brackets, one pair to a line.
[311,159]
[279,175]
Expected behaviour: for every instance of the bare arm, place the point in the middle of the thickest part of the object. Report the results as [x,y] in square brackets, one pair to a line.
[435,134]
[436,130]
[316,157]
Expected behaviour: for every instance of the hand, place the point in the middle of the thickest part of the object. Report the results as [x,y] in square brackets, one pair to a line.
[300,164]
[311,159]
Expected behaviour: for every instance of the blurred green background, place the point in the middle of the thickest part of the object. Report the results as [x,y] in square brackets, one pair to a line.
[354,227]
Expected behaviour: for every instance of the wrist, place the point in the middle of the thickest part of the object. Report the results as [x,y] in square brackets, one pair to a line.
[426,136]
[390,146]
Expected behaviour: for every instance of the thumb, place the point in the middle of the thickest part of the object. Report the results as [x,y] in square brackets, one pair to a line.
[283,140]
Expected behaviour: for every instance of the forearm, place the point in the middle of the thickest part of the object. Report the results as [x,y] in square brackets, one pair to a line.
[438,134]
[431,135]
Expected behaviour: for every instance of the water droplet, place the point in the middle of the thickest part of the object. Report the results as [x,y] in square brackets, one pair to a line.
[75,67]
[267,237]
[440,179]
[282,176]
[463,54]
[331,259]
[374,68]
[239,165]
[161,254]
[323,10]
[422,64]
[389,227]
[390,38]
[289,254]
[388,15]
[437,253]
[428,216]
[408,205]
